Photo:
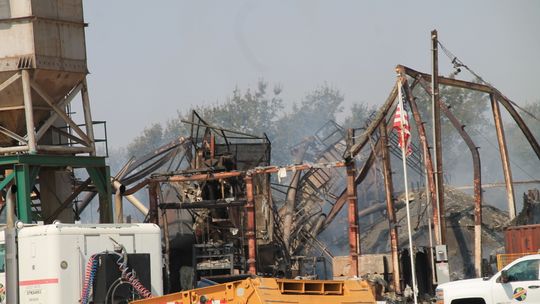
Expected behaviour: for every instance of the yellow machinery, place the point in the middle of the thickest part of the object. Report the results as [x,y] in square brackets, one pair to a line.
[269,290]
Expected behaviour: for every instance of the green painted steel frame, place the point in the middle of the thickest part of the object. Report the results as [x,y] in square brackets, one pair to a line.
[26,169]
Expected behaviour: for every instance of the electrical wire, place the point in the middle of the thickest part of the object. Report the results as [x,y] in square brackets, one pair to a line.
[115,288]
[459,64]
[113,285]
[130,276]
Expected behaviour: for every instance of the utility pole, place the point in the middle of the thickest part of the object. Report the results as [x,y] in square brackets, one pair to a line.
[441,253]
[436,113]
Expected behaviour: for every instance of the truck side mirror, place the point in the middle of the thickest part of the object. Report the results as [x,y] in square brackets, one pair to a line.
[504,277]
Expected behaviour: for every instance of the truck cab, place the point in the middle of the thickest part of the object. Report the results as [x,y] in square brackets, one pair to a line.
[518,282]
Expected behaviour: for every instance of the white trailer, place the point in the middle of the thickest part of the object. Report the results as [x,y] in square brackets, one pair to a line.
[53,259]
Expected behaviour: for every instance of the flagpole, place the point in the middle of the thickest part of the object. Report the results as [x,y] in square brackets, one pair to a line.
[404,158]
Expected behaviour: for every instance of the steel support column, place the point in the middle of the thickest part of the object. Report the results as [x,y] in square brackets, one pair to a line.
[477,182]
[390,210]
[24,188]
[153,203]
[251,228]
[504,156]
[100,177]
[354,244]
[29,112]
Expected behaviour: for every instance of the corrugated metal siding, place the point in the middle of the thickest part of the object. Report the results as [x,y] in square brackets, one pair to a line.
[521,239]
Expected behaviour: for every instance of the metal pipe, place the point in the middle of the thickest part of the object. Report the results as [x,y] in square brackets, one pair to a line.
[354,246]
[498,185]
[12,271]
[29,112]
[406,186]
[118,207]
[390,210]
[63,149]
[477,188]
[436,115]
[507,171]
[251,228]
[14,149]
[207,204]
[132,199]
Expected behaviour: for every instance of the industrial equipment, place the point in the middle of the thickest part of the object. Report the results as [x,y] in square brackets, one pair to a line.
[269,290]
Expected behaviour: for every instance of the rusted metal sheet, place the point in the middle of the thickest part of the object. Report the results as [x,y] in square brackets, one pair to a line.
[520,239]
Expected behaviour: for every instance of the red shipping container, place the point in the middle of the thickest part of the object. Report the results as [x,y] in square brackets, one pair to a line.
[521,239]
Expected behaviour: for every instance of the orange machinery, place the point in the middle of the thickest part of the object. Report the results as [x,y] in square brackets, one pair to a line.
[269,290]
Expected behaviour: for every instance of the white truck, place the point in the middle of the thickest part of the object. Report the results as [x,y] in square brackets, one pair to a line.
[79,263]
[518,282]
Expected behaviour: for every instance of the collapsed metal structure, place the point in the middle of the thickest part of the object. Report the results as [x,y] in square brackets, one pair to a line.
[295,226]
[222,177]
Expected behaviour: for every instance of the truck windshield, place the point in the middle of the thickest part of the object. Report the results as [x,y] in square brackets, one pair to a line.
[524,271]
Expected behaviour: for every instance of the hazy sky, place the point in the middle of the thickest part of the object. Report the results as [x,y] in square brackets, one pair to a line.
[149,59]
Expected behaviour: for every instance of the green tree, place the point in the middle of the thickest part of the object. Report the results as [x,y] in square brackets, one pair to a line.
[519,147]
[359,115]
[150,139]
[316,108]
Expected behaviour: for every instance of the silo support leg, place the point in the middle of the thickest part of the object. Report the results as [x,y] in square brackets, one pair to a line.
[24,188]
[29,112]
[100,177]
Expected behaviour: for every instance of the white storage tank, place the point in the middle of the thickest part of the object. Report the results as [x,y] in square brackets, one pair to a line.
[53,258]
[45,37]
[44,34]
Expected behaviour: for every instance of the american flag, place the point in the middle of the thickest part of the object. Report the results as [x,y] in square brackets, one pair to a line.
[401,122]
